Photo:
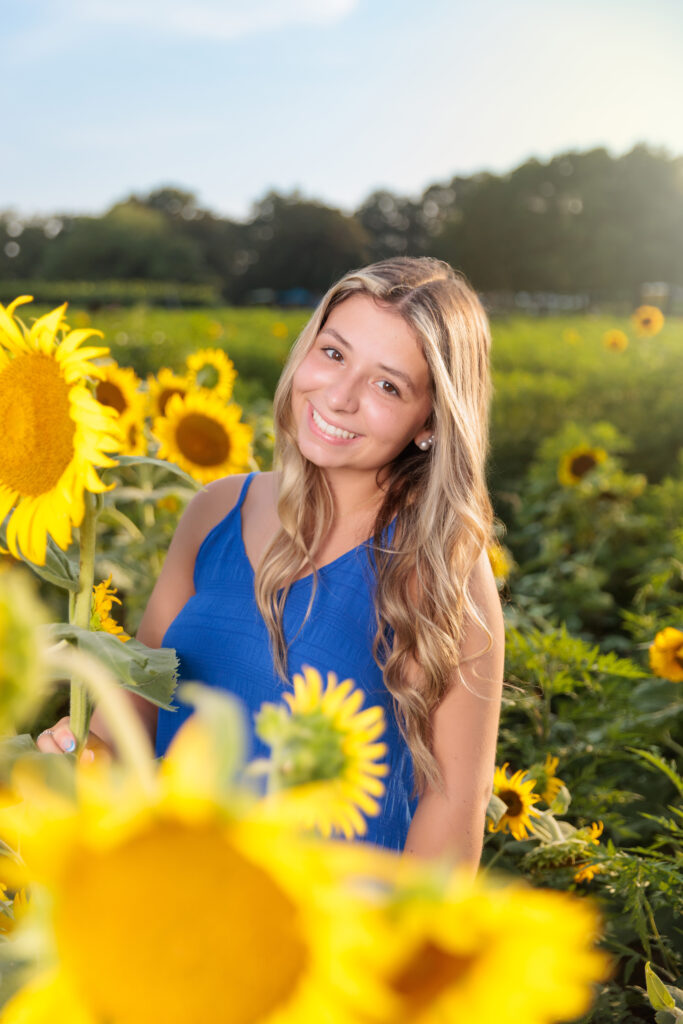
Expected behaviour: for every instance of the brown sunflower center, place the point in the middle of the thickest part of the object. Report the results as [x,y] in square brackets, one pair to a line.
[228,949]
[109,393]
[202,440]
[35,424]
[513,802]
[165,395]
[646,321]
[429,971]
[678,656]
[581,464]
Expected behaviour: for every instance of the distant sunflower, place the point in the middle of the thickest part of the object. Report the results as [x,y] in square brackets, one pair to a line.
[576,463]
[587,873]
[547,782]
[203,436]
[571,336]
[164,386]
[119,387]
[103,599]
[133,437]
[499,560]
[210,368]
[615,340]
[326,754]
[648,320]
[666,654]
[53,431]
[519,798]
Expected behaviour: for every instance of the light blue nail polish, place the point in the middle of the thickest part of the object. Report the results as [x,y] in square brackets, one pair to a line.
[70,747]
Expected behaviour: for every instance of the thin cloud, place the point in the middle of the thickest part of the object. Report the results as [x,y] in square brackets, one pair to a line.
[211,19]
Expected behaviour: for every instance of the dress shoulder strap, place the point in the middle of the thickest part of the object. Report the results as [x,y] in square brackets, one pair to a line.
[243,493]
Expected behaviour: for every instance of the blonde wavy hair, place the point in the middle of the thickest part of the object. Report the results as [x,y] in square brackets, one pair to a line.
[421,595]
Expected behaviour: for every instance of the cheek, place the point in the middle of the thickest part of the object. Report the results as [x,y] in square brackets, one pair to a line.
[309,375]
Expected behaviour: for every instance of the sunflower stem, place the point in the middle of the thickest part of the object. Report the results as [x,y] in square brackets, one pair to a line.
[132,743]
[80,708]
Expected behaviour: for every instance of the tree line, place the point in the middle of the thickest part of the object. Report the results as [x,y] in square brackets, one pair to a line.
[582,223]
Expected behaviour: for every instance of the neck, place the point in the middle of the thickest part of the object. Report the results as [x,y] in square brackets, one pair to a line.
[355,495]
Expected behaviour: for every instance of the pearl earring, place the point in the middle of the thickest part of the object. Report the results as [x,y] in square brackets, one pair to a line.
[426,444]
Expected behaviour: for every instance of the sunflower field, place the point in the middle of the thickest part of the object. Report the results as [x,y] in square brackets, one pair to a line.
[115,876]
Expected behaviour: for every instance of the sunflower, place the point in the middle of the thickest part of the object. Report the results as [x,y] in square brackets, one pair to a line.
[326,754]
[615,340]
[103,598]
[54,432]
[587,873]
[203,436]
[517,794]
[547,782]
[499,560]
[165,385]
[576,463]
[111,940]
[133,437]
[119,387]
[648,320]
[23,672]
[279,330]
[666,654]
[211,369]
[434,947]
[571,336]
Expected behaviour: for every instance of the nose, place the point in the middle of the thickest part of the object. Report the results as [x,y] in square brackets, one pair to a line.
[342,394]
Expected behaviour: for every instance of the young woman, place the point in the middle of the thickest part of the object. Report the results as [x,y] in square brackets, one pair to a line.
[364,553]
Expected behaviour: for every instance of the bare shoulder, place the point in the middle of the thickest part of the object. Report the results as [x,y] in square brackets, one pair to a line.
[175,585]
[485,637]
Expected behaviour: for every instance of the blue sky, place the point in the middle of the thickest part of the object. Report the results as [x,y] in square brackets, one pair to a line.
[334,97]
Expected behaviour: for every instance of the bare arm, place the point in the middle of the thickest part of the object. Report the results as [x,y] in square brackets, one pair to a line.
[172,590]
[465,729]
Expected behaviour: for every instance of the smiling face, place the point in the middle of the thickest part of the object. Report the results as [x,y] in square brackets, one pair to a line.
[362,392]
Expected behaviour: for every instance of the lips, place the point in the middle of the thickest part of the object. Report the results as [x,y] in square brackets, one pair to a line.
[329,431]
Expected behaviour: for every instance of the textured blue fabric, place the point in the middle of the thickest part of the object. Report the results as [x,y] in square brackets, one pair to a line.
[221,640]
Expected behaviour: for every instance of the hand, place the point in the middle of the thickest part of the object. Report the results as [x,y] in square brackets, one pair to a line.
[59,739]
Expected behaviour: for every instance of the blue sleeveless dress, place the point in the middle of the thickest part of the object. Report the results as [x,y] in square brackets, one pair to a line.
[221,640]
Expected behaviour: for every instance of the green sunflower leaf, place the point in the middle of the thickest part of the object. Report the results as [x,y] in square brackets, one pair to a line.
[149,672]
[59,569]
[135,461]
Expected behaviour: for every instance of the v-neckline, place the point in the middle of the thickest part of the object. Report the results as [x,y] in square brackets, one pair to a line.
[308,576]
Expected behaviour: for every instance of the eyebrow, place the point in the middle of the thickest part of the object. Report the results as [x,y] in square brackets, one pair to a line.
[380,366]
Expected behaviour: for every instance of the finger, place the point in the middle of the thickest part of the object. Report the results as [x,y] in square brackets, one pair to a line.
[47,744]
[60,738]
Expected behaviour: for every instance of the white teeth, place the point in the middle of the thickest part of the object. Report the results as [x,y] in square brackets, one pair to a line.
[327,428]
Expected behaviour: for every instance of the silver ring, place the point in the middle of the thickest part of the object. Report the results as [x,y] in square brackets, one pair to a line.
[47,732]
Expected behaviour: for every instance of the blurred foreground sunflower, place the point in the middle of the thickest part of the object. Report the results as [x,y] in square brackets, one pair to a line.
[576,463]
[519,797]
[325,753]
[204,436]
[107,937]
[648,320]
[211,369]
[666,654]
[441,952]
[54,433]
[164,386]
[615,340]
